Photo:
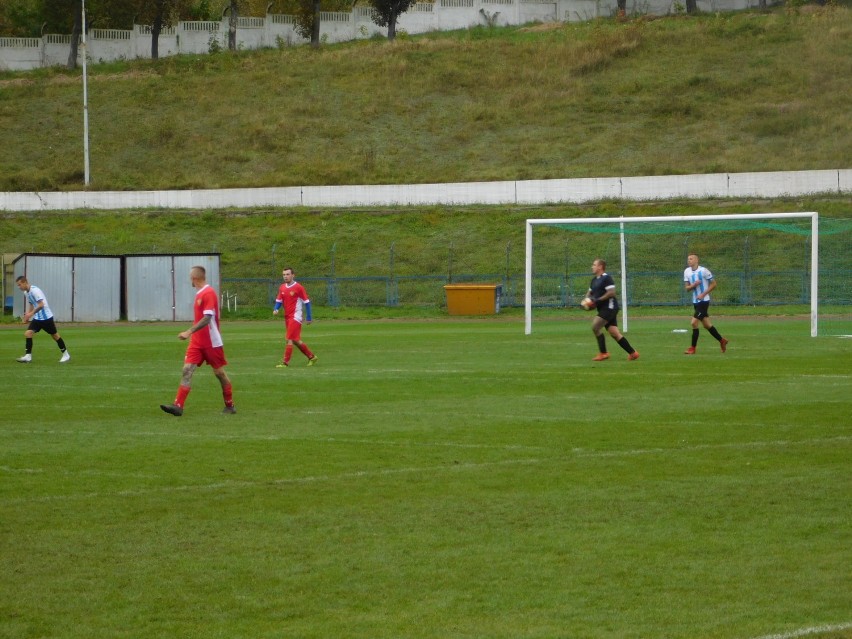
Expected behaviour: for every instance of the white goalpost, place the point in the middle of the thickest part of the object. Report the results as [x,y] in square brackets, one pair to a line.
[621,221]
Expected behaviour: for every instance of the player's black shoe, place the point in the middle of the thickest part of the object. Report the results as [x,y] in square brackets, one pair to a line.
[172,409]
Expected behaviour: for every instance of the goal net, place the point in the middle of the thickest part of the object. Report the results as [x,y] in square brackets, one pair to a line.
[797,261]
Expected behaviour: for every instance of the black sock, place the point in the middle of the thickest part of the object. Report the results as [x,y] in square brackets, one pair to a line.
[695,334]
[715,333]
[625,345]
[61,343]
[29,347]
[601,342]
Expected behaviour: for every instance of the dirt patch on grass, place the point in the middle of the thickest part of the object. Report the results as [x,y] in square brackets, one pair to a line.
[543,27]
[75,79]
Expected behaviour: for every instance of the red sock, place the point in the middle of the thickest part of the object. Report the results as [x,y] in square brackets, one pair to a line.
[288,353]
[307,351]
[183,391]
[228,394]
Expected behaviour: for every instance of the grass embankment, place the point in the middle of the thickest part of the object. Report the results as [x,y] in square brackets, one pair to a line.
[712,93]
[412,241]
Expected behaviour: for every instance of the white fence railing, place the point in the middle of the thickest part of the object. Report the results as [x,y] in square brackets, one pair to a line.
[20,43]
[251,23]
[110,34]
[335,16]
[210,27]
[147,30]
[56,38]
[364,12]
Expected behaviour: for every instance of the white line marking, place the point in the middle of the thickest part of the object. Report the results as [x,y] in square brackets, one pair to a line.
[286,438]
[803,632]
[384,472]
[310,479]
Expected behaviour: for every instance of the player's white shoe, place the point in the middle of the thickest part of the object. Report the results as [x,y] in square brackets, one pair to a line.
[26,359]
[65,357]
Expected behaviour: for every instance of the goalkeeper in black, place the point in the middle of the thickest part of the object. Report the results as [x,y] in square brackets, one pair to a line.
[602,293]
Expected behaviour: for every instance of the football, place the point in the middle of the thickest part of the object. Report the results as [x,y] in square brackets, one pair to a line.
[587,303]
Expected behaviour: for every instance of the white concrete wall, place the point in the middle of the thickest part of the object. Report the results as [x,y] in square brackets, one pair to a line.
[56,50]
[167,43]
[197,37]
[653,188]
[105,45]
[21,54]
[540,12]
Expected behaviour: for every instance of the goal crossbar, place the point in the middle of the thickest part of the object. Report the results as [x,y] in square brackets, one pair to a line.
[532,222]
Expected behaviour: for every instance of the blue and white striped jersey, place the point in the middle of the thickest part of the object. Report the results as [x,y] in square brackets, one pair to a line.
[34,296]
[701,275]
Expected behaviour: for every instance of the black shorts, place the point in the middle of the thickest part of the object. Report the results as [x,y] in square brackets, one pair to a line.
[608,315]
[48,326]
[702,310]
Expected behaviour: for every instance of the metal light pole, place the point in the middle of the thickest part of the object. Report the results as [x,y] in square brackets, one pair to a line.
[85,101]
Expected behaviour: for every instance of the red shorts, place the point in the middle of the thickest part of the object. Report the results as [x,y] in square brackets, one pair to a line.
[294,330]
[215,356]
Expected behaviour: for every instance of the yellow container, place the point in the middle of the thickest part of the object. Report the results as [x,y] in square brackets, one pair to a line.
[473,299]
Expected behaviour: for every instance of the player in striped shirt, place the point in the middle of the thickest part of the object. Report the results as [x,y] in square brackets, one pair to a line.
[40,318]
[700,281]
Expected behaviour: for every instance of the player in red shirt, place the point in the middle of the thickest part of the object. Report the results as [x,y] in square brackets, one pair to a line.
[205,345]
[294,298]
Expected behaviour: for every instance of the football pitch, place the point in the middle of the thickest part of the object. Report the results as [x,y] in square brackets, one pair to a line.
[430,479]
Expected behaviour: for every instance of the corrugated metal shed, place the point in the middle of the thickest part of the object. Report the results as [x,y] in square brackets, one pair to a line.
[79,288]
[158,286]
[100,288]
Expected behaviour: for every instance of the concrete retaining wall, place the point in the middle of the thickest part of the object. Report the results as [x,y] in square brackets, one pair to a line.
[653,188]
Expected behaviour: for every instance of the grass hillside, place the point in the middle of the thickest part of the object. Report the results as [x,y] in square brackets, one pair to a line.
[362,242]
[711,93]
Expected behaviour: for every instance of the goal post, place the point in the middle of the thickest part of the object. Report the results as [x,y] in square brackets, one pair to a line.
[661,225]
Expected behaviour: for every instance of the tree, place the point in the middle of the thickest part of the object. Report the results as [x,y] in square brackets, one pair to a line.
[308,20]
[233,14]
[157,26]
[20,19]
[61,15]
[161,14]
[386,13]
[307,14]
[76,30]
[315,27]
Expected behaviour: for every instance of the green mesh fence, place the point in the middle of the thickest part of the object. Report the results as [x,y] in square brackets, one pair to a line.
[760,263]
[755,262]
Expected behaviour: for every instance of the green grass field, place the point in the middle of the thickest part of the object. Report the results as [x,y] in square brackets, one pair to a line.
[430,479]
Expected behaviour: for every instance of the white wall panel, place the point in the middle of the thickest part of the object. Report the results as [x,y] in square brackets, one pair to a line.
[97,289]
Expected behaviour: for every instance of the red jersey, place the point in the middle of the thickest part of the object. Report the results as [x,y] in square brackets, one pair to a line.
[207,303]
[294,297]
